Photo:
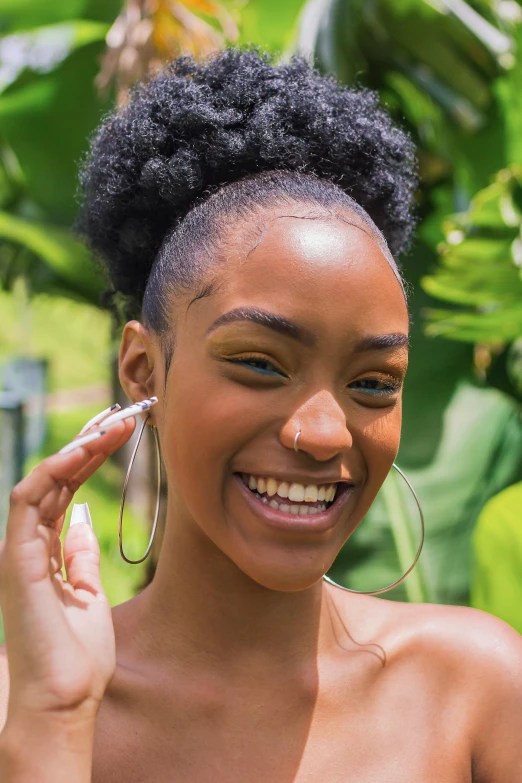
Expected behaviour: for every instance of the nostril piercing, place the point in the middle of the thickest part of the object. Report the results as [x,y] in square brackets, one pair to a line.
[295,440]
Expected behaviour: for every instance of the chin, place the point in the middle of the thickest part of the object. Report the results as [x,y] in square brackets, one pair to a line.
[283,579]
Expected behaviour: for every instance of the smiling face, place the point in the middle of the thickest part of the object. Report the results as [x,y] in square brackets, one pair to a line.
[305,331]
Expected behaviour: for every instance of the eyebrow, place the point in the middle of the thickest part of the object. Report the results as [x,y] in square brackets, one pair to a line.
[264,318]
[282,325]
[382,342]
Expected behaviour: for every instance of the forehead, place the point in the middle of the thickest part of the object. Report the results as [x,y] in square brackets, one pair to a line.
[328,271]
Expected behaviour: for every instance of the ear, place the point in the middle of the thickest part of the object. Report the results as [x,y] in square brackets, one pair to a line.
[137,362]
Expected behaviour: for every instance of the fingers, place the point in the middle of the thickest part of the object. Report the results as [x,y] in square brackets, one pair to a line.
[82,554]
[44,495]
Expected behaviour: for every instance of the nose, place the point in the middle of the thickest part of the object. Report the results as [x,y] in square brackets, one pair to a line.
[323,427]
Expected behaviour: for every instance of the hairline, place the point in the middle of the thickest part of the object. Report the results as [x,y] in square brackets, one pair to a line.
[207,287]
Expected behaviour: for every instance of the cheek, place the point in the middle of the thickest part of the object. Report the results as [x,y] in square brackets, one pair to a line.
[378,443]
[208,422]
[381,437]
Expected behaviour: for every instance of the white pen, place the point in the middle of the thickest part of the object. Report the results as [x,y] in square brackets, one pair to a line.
[132,410]
[100,417]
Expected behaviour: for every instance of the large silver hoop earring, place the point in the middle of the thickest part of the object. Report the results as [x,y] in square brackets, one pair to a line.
[124,493]
[410,569]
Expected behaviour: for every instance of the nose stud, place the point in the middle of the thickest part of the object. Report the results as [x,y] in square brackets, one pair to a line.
[296,448]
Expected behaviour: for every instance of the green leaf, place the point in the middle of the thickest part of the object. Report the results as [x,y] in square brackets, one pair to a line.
[479,268]
[480,443]
[68,259]
[26,14]
[269,23]
[46,119]
[42,49]
[497,556]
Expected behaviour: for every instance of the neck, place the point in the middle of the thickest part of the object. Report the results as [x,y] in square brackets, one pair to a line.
[201,607]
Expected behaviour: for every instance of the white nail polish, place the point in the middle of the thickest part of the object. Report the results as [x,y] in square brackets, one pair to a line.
[100,417]
[80,515]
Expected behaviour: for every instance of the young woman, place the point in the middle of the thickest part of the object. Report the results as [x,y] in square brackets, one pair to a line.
[250,215]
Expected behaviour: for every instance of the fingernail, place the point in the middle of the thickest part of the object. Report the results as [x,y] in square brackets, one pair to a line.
[80,515]
[100,417]
[132,410]
[81,441]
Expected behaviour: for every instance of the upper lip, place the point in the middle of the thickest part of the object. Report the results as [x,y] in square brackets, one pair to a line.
[305,480]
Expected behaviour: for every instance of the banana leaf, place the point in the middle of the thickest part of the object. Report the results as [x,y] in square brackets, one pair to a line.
[48,117]
[437,64]
[497,558]
[68,260]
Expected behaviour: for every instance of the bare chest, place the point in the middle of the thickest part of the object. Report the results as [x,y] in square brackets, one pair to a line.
[383,740]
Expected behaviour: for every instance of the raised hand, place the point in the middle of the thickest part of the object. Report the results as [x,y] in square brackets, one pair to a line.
[59,634]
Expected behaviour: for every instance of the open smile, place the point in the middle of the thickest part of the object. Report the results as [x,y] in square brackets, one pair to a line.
[293,505]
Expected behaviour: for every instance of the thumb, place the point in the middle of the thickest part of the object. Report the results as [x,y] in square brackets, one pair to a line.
[81,551]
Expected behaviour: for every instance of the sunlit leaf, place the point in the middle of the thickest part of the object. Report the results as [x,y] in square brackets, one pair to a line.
[480,267]
[497,551]
[46,134]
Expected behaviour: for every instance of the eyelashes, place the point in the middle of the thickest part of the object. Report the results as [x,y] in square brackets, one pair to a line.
[377,386]
[259,365]
[372,386]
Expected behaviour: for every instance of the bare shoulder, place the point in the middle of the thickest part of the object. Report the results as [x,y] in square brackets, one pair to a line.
[468,642]
[469,639]
[4,685]
[475,660]
[476,654]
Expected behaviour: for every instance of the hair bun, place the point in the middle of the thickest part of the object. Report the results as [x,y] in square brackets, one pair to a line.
[197,126]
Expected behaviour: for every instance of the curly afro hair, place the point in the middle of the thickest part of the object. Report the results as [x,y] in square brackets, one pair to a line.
[196,128]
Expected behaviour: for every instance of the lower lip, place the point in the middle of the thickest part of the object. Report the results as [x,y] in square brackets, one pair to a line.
[295,523]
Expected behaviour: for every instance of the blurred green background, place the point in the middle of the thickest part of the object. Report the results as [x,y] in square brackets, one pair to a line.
[451,73]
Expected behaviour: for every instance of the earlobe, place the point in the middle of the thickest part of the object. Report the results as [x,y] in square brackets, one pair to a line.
[136,362]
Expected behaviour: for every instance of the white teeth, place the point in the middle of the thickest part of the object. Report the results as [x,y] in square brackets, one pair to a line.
[271,487]
[310,493]
[282,489]
[296,493]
